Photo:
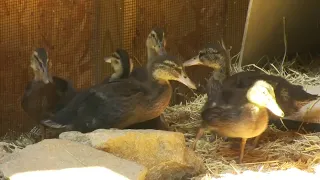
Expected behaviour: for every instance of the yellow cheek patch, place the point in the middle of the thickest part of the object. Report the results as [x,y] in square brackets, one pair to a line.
[170,63]
[162,74]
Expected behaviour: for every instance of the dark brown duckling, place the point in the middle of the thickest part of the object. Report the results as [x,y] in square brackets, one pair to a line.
[122,70]
[124,102]
[291,98]
[155,43]
[240,112]
[121,63]
[45,94]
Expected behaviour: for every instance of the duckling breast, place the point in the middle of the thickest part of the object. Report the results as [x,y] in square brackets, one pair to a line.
[244,122]
[151,108]
[39,100]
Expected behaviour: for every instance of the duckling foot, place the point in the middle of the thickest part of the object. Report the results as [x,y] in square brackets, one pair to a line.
[163,125]
[198,136]
[242,146]
[52,124]
[43,132]
[255,143]
[234,146]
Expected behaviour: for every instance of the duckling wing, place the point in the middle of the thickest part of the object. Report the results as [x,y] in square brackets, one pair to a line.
[28,100]
[241,79]
[110,105]
[220,114]
[39,100]
[102,106]
[65,92]
[140,74]
[300,94]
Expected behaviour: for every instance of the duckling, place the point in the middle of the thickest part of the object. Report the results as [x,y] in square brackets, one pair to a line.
[241,112]
[45,94]
[121,63]
[290,97]
[122,66]
[155,43]
[124,102]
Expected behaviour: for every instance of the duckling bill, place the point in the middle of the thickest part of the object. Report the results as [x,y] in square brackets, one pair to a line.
[241,113]
[124,102]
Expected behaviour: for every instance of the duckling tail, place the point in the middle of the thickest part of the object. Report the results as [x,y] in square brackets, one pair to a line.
[52,124]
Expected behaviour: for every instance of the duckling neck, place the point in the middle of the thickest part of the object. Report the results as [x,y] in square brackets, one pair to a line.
[114,76]
[37,76]
[158,87]
[119,75]
[151,53]
[160,94]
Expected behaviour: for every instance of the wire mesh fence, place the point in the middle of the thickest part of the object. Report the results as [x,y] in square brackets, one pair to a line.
[78,34]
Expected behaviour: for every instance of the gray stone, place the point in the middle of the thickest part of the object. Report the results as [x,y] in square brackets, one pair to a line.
[63,159]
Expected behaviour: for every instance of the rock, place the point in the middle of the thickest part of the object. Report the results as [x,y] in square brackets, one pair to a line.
[164,153]
[2,177]
[63,159]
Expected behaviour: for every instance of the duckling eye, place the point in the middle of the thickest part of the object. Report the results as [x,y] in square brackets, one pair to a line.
[264,92]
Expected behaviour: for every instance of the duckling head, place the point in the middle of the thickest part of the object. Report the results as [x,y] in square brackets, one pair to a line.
[262,94]
[156,41]
[39,63]
[166,67]
[121,64]
[213,56]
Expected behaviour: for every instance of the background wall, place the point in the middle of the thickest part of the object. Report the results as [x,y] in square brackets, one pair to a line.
[264,34]
[79,33]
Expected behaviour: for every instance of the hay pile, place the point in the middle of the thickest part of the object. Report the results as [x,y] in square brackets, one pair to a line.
[12,142]
[277,150]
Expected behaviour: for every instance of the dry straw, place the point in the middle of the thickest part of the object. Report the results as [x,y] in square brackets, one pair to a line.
[277,150]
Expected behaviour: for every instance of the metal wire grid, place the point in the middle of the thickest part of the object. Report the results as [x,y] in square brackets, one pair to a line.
[78,34]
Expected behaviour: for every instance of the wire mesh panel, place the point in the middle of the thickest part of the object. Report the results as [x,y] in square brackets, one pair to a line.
[189,25]
[63,27]
[78,34]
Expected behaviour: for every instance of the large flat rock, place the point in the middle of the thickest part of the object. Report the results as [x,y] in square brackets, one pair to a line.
[164,153]
[63,159]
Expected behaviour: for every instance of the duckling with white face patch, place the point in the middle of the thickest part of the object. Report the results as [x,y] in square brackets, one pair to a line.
[241,113]
[121,63]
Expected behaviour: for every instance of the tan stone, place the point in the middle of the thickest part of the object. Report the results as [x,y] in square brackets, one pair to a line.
[164,153]
[63,159]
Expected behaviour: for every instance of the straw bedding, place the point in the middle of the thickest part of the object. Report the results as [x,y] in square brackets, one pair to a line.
[277,150]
